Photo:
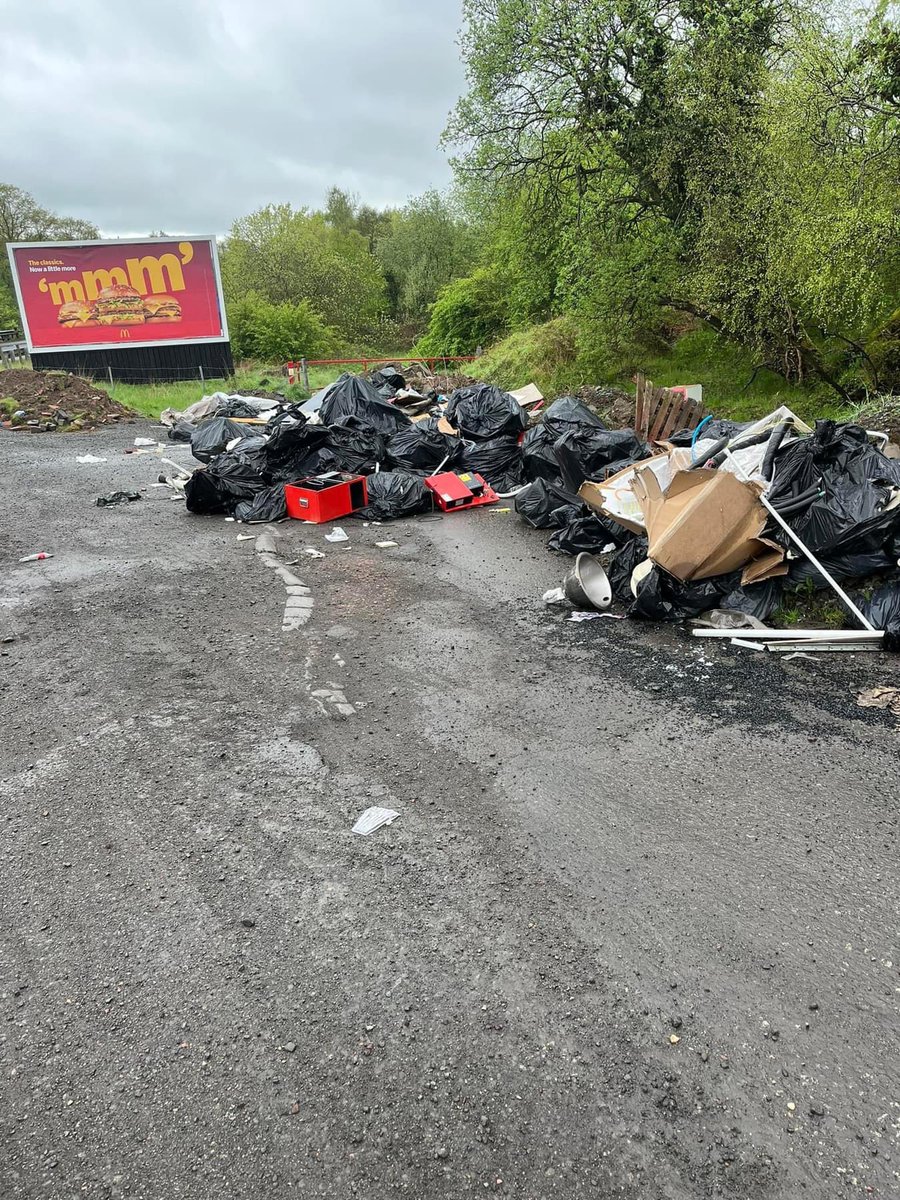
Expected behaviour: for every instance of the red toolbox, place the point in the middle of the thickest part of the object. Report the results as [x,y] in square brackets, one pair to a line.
[325,497]
[454,491]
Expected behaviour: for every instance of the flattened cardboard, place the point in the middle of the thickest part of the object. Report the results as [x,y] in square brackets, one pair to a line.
[707,523]
[527,395]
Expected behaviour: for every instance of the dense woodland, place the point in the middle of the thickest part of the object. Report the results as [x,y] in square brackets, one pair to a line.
[626,171]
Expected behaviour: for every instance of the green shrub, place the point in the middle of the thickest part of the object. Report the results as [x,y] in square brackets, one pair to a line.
[468,313]
[278,332]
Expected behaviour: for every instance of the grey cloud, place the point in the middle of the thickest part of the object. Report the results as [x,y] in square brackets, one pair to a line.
[185,114]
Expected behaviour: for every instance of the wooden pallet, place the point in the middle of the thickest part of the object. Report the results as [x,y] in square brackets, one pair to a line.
[659,412]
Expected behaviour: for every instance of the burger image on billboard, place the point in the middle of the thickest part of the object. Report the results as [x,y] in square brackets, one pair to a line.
[120,305]
[77,315]
[161,309]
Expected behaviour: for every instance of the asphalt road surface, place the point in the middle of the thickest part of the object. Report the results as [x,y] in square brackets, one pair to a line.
[634,932]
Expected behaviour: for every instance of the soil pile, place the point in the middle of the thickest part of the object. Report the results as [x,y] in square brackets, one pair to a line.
[50,400]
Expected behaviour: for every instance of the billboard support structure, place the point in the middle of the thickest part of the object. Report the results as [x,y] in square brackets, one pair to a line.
[139,309]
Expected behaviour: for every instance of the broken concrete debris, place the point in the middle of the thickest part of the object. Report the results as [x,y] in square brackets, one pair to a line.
[721,518]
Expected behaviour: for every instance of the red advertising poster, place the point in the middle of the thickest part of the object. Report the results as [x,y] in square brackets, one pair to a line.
[93,295]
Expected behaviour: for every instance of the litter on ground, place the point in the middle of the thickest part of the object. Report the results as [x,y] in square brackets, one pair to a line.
[680,516]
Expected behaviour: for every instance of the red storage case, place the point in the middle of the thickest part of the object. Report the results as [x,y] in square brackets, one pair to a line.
[325,497]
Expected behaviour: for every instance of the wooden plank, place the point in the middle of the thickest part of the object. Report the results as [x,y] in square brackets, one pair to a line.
[678,417]
[667,400]
[640,406]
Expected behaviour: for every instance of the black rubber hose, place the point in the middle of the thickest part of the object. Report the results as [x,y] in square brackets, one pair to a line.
[791,504]
[718,458]
[768,462]
[714,450]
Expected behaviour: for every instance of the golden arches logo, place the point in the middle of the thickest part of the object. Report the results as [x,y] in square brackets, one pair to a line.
[124,333]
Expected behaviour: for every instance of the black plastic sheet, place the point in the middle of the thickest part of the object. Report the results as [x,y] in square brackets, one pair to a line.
[498,461]
[482,412]
[395,494]
[353,396]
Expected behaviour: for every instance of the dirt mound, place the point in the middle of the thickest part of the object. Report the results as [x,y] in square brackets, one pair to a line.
[611,404]
[50,400]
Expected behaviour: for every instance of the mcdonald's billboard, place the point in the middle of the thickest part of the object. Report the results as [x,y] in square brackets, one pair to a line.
[98,295]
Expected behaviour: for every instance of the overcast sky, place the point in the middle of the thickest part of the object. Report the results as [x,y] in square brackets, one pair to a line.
[181,115]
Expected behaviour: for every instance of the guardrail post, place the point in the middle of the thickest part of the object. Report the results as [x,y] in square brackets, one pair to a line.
[304,372]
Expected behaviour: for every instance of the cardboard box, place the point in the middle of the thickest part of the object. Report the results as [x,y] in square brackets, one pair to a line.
[706,523]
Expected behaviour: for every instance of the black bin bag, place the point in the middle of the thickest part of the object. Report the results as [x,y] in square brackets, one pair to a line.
[267,505]
[482,412]
[353,396]
[219,487]
[590,533]
[883,611]
[213,435]
[498,461]
[538,502]
[421,446]
[395,494]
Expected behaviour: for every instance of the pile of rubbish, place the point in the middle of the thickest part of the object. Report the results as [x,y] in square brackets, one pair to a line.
[49,401]
[377,427]
[721,522]
[718,522]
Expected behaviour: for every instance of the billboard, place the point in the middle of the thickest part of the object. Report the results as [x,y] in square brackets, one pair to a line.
[99,295]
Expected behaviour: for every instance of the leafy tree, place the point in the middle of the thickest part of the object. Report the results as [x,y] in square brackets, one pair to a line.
[469,313]
[650,155]
[426,246]
[286,255]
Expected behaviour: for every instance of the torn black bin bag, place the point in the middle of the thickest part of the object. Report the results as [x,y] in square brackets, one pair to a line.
[355,446]
[568,413]
[756,600]
[482,412]
[883,611]
[498,461]
[537,502]
[422,447]
[219,487]
[353,396]
[539,459]
[395,494]
[590,533]
[297,450]
[182,431]
[267,505]
[213,435]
